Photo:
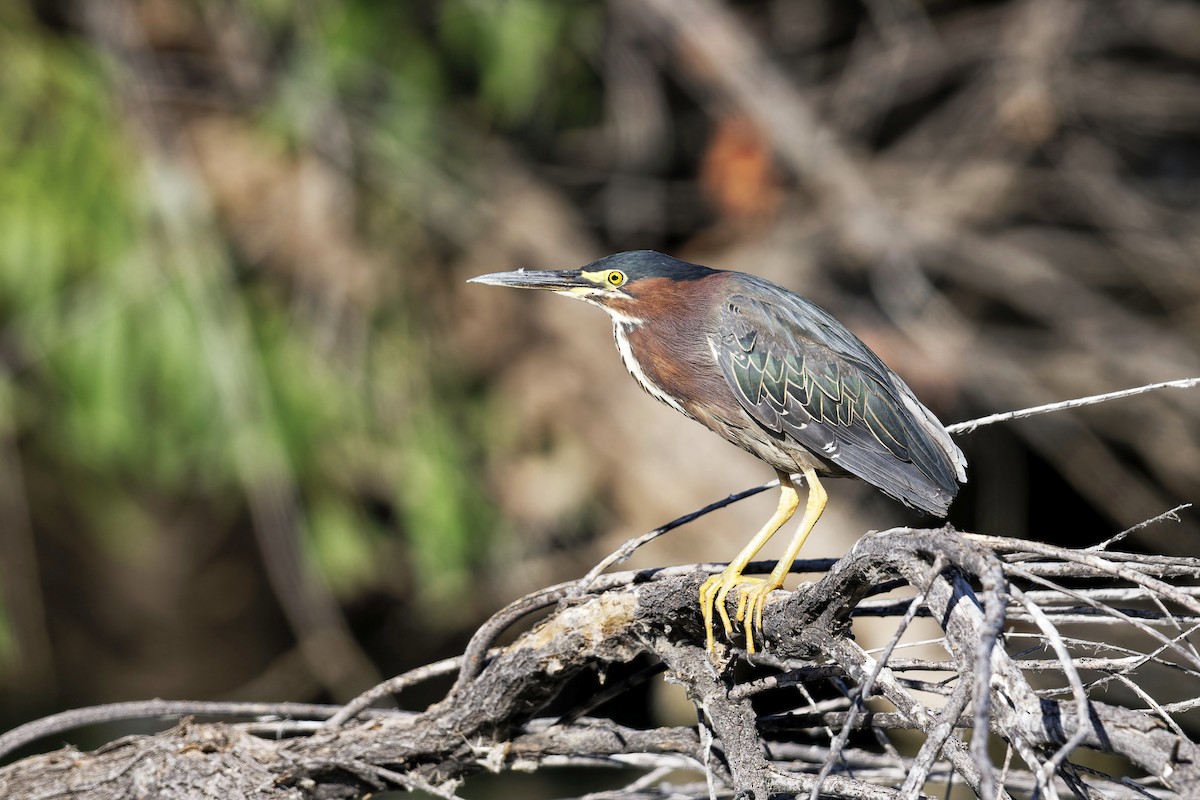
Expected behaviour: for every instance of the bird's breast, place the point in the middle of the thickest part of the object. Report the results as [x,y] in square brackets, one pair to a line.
[645,367]
[673,362]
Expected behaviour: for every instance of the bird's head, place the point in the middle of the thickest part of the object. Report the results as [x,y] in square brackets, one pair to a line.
[626,285]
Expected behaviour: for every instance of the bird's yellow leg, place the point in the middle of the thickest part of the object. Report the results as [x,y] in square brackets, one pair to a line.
[714,590]
[751,607]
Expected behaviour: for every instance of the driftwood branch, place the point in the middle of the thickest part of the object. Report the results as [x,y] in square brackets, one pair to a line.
[1049,639]
[999,603]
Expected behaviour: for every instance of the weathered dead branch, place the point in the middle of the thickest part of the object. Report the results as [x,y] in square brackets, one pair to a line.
[1065,642]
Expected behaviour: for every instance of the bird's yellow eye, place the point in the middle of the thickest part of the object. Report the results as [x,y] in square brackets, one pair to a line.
[615,278]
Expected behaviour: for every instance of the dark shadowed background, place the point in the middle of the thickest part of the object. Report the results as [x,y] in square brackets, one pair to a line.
[261,441]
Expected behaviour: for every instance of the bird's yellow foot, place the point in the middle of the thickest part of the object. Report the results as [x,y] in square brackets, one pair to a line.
[750,609]
[713,593]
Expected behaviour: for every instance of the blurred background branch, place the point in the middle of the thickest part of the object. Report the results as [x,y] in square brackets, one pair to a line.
[260,441]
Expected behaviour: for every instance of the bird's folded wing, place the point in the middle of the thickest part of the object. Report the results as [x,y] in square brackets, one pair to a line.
[801,374]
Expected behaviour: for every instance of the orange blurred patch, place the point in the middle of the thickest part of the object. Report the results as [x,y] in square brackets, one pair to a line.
[738,172]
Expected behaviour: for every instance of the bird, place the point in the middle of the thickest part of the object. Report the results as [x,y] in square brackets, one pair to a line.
[774,374]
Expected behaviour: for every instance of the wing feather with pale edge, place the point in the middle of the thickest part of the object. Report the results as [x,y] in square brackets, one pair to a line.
[801,374]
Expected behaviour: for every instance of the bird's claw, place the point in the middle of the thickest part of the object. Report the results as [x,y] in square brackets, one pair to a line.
[750,609]
[713,595]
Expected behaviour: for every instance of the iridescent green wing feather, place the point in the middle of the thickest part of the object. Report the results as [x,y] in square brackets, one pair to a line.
[800,373]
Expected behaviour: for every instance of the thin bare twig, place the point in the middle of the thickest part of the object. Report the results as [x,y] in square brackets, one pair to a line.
[1045,775]
[1172,516]
[970,425]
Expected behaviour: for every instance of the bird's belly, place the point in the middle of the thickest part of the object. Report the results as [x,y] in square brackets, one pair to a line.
[778,450]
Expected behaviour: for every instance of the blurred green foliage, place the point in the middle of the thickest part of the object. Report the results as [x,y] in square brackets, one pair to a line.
[64,198]
[510,45]
[149,359]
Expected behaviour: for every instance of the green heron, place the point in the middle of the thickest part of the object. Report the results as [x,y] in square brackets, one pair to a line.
[774,374]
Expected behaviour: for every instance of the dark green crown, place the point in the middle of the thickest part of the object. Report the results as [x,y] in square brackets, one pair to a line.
[637,264]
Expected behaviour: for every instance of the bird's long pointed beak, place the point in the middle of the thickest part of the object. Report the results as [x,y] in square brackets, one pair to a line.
[551,279]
